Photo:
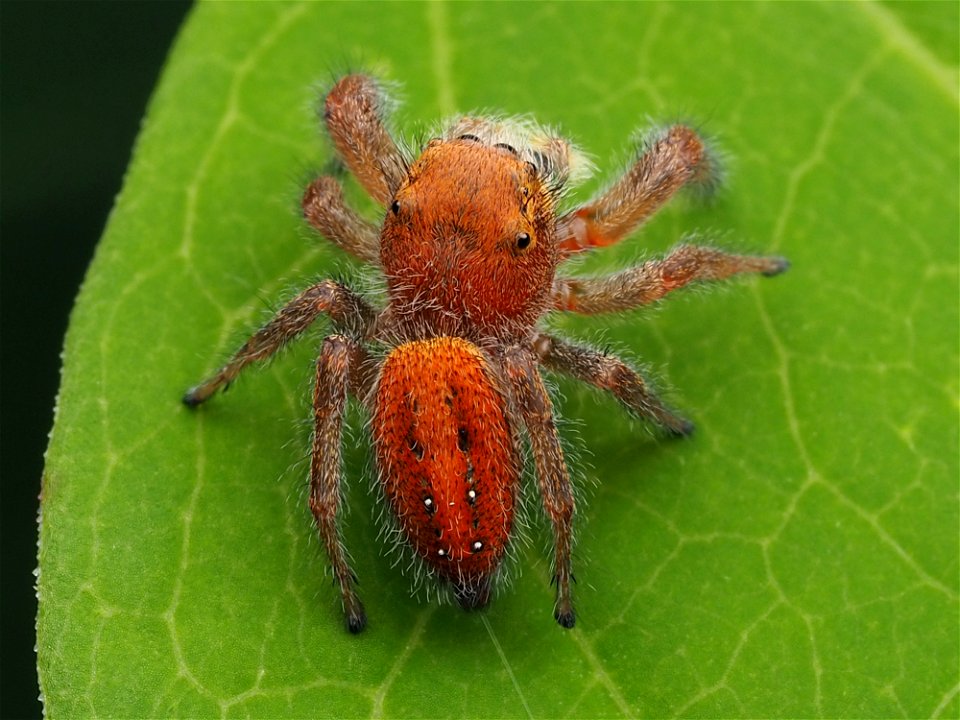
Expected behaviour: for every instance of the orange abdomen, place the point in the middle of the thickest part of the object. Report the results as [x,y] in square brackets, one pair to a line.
[447,460]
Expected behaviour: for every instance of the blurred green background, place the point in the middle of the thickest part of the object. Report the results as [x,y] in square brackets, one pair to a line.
[76,77]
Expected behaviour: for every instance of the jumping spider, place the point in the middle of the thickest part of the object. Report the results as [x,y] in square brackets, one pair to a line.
[449,369]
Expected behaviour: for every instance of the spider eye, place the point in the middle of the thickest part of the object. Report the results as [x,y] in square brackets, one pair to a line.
[523,241]
[395,207]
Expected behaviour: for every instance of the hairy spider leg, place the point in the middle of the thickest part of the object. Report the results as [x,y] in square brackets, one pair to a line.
[650,281]
[533,404]
[343,364]
[338,367]
[353,112]
[609,373]
[347,310]
[675,158]
[328,213]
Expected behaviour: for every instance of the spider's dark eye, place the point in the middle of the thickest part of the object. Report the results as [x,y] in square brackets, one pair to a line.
[395,207]
[523,241]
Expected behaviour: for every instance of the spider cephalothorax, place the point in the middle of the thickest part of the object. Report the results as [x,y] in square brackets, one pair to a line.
[470,244]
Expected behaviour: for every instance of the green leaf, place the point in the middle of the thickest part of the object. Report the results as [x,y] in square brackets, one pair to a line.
[797,557]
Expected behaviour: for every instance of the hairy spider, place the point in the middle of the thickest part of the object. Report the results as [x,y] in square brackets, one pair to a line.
[449,369]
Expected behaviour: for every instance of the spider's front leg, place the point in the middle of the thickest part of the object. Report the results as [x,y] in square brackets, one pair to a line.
[531,400]
[674,158]
[341,365]
[347,309]
[611,374]
[353,111]
[325,209]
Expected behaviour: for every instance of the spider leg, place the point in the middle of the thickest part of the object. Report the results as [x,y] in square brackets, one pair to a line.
[612,374]
[325,209]
[345,308]
[646,283]
[338,368]
[353,111]
[672,159]
[531,400]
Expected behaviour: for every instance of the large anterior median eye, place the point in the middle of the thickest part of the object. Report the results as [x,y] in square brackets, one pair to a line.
[523,241]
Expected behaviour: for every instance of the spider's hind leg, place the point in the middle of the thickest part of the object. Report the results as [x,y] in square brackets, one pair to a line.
[339,367]
[531,401]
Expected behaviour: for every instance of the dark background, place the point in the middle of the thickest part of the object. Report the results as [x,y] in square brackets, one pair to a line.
[75,78]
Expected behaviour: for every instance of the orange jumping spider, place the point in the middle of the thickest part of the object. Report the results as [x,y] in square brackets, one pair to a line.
[449,369]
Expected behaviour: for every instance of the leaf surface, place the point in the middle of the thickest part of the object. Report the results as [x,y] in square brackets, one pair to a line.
[797,557]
